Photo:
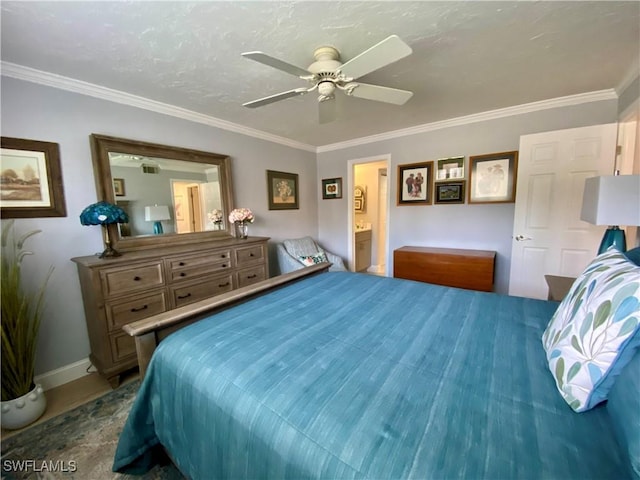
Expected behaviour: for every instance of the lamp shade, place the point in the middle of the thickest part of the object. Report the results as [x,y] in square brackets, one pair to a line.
[156,213]
[103,213]
[612,200]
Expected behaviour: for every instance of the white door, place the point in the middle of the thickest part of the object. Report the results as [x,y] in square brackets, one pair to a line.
[548,235]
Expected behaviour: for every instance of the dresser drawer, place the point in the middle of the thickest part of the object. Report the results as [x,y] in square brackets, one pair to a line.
[249,255]
[126,311]
[249,276]
[129,279]
[123,347]
[204,288]
[186,268]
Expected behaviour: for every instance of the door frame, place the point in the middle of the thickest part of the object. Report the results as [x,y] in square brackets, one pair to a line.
[386,158]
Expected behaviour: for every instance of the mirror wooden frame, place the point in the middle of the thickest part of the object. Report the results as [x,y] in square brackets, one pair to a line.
[101,145]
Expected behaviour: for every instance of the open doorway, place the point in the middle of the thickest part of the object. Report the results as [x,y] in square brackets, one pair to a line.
[368,190]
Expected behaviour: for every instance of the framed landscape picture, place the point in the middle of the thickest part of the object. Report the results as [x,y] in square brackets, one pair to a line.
[118,187]
[331,188]
[450,192]
[31,179]
[414,183]
[492,177]
[282,189]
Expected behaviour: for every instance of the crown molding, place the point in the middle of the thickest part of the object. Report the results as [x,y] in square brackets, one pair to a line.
[84,88]
[609,94]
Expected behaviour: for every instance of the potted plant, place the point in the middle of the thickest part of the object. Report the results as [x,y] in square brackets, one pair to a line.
[23,402]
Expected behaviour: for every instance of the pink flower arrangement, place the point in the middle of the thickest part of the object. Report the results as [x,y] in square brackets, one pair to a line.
[241,215]
[215,216]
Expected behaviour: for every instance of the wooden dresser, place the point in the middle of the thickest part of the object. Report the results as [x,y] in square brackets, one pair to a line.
[470,269]
[136,285]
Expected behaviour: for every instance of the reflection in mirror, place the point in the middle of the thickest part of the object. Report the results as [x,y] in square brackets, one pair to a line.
[189,193]
[172,195]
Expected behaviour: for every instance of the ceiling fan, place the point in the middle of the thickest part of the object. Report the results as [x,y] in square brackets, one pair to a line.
[328,73]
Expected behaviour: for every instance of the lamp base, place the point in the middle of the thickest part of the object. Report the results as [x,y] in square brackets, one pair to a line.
[157,228]
[613,236]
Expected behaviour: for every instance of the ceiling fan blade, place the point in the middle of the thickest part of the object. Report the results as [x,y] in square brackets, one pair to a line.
[389,50]
[262,57]
[275,98]
[381,94]
[327,111]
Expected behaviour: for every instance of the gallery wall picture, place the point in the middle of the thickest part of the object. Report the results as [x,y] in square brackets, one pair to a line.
[492,177]
[449,168]
[415,182]
[30,179]
[450,192]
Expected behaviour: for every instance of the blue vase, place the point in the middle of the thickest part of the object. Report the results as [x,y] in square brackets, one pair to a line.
[613,236]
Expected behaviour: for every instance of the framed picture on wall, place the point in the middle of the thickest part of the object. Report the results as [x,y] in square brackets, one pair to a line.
[31,184]
[331,188]
[283,190]
[360,199]
[492,177]
[118,187]
[450,168]
[449,192]
[414,183]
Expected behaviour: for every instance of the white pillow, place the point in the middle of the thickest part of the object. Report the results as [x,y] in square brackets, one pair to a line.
[594,332]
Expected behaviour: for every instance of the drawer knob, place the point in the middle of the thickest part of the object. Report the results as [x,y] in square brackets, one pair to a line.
[223,284]
[223,256]
[139,309]
[181,264]
[252,276]
[181,297]
[136,278]
[251,255]
[224,265]
[182,274]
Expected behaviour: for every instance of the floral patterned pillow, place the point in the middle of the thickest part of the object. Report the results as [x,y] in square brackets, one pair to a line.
[594,332]
[309,260]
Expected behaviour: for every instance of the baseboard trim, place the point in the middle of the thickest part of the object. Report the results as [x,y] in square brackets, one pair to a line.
[63,375]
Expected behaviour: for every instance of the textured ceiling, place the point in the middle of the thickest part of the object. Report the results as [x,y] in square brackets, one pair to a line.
[468,57]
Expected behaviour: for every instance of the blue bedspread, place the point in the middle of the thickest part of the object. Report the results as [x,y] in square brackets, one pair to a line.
[346,375]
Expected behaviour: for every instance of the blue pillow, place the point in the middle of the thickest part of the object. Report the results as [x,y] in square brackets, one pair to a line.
[624,410]
[633,255]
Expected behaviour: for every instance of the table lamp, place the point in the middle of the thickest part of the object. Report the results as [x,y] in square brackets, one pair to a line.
[104,214]
[612,200]
[156,214]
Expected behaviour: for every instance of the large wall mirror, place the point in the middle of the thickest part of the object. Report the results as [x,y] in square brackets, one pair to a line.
[172,195]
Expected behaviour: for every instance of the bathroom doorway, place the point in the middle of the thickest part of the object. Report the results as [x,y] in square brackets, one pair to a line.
[368,187]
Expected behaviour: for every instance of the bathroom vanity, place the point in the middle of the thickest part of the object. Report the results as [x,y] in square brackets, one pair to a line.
[363,250]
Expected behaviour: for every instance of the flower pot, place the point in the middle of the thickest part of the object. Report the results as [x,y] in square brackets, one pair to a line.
[22,411]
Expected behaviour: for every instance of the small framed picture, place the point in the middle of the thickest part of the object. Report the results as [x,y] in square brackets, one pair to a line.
[118,187]
[450,168]
[331,188]
[492,177]
[414,183]
[283,190]
[31,185]
[450,192]
[360,199]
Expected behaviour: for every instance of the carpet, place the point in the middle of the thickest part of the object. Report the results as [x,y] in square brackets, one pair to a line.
[78,444]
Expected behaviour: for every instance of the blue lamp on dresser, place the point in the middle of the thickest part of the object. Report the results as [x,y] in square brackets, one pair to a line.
[612,200]
[104,214]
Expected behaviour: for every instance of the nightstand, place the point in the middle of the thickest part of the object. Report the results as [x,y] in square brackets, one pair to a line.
[558,286]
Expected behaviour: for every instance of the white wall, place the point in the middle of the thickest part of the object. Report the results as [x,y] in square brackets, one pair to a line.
[485,227]
[37,112]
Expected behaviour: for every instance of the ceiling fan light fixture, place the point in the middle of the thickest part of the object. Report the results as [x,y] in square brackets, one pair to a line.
[326,89]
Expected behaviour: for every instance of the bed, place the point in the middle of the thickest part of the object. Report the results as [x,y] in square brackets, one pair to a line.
[346,375]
